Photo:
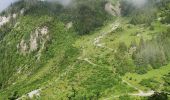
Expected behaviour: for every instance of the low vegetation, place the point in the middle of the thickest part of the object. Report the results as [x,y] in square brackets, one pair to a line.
[98,56]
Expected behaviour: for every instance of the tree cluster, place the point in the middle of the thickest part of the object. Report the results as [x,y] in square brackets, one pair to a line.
[153,53]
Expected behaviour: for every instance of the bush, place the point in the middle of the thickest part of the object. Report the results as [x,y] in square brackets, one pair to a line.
[14,96]
[151,28]
[158,96]
[150,83]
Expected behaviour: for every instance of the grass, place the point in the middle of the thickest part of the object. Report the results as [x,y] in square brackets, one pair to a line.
[87,81]
[38,73]
[112,40]
[155,74]
[127,34]
[84,77]
[86,43]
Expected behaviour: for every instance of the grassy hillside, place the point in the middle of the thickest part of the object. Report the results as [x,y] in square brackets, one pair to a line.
[20,65]
[81,52]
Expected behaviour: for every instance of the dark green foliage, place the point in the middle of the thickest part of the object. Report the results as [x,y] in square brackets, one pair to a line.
[141,70]
[139,18]
[150,83]
[166,79]
[151,28]
[139,15]
[125,97]
[122,48]
[126,7]
[119,29]
[158,96]
[122,62]
[164,6]
[88,18]
[72,94]
[166,19]
[14,96]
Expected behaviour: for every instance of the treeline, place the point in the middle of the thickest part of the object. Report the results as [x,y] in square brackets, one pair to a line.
[165,11]
[123,62]
[90,15]
[166,84]
[86,15]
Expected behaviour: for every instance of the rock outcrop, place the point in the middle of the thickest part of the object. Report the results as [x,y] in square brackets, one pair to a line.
[113,10]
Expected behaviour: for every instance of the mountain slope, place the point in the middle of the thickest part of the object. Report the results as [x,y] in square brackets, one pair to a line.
[79,52]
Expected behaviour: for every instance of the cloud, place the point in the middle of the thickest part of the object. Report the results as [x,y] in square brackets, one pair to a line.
[63,2]
[138,3]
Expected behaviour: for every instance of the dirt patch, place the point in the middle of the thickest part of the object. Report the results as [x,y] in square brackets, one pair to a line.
[69,25]
[34,93]
[22,46]
[4,20]
[97,40]
[33,43]
[30,95]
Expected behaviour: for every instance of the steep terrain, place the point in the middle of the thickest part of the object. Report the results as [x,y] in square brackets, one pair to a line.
[85,50]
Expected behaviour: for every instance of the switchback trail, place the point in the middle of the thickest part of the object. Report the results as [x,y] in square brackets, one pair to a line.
[140,93]
[97,40]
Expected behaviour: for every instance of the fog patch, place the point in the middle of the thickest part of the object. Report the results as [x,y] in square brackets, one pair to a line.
[138,3]
[63,2]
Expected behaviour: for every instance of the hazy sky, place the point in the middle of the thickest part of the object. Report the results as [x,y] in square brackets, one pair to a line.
[5,3]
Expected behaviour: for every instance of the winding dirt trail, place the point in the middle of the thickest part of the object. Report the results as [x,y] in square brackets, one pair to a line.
[97,43]
[97,40]
[88,61]
[140,92]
